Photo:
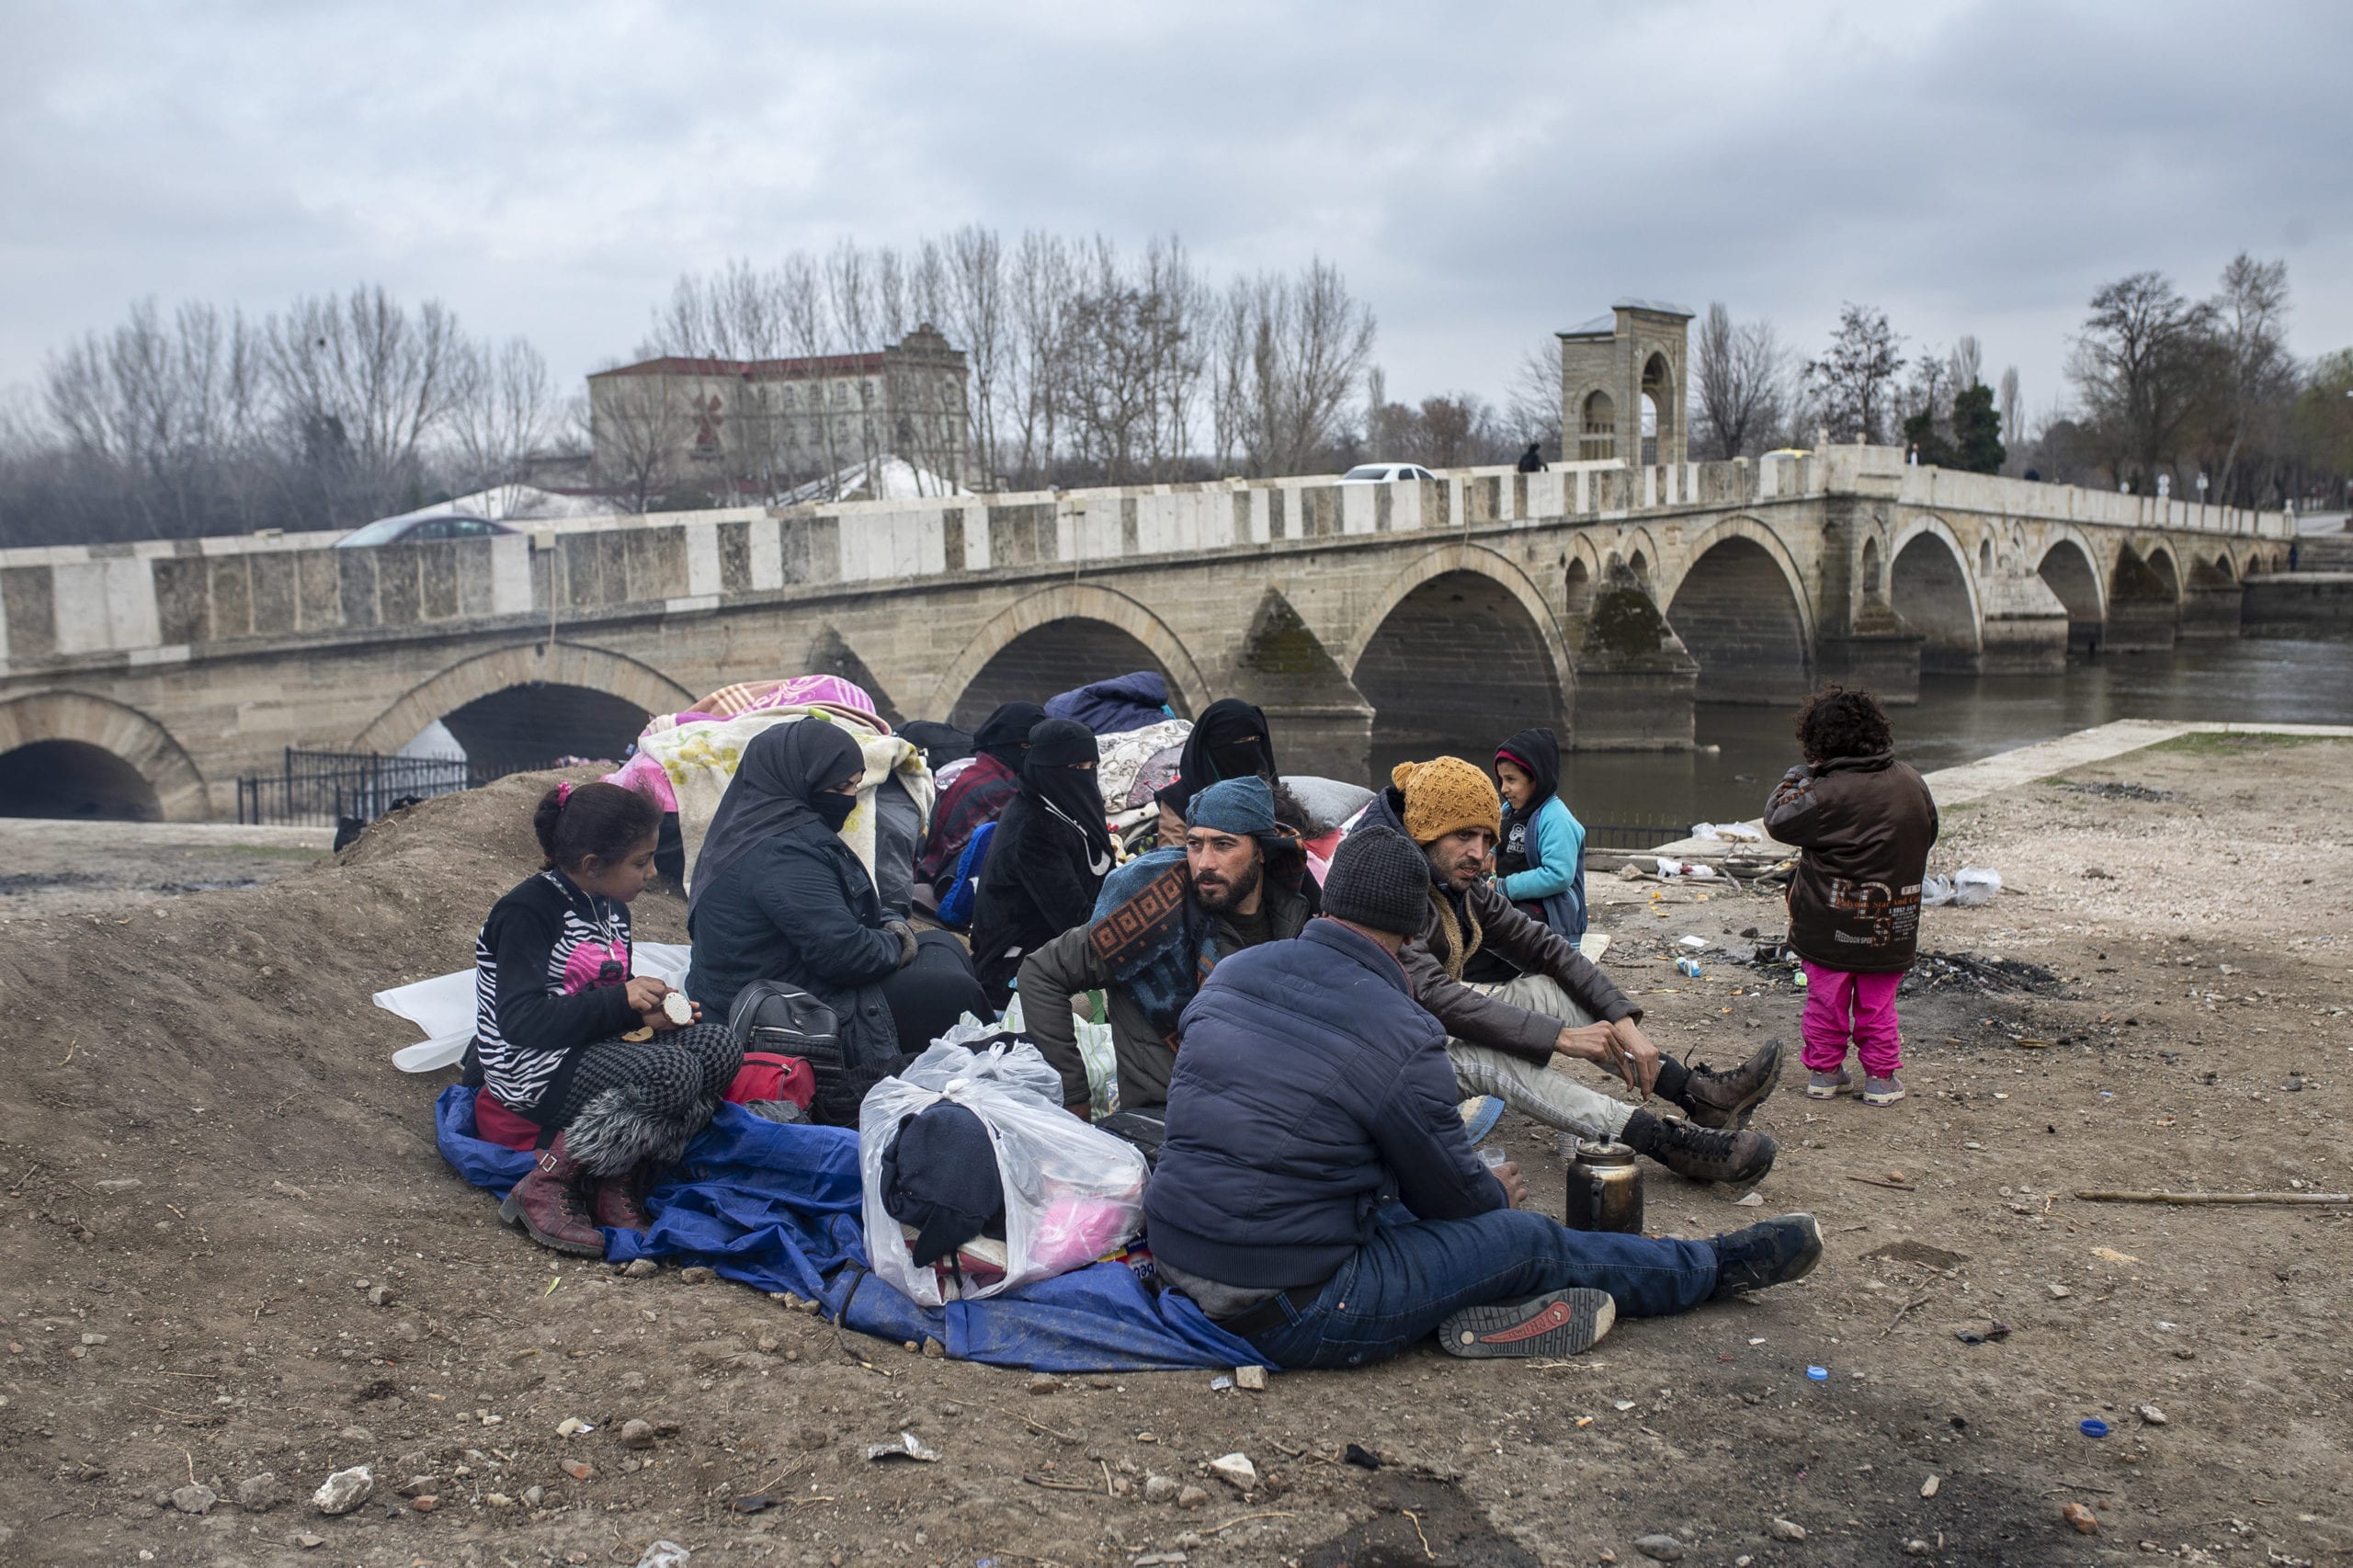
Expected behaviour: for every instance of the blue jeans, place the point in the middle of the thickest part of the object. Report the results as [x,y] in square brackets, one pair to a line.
[1414,1274]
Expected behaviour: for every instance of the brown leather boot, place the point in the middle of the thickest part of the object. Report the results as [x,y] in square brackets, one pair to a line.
[620,1200]
[549,1205]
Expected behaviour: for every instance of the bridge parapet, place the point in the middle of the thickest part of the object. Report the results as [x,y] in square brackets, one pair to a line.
[162,602]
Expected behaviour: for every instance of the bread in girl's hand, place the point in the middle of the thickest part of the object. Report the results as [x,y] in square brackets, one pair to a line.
[681,1011]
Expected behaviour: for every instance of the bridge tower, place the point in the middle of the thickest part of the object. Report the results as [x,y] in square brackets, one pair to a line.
[1610,366]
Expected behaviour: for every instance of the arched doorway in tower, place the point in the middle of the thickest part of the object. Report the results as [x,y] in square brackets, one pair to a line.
[1597,429]
[1051,659]
[1456,658]
[1659,409]
[1742,623]
[74,780]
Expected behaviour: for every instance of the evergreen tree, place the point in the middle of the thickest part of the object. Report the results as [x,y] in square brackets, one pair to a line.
[1976,432]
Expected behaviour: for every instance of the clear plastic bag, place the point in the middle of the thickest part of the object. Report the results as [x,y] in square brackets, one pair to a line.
[1095,1048]
[1975,885]
[1072,1193]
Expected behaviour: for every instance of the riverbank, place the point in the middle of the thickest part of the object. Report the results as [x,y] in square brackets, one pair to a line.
[210,1165]
[52,867]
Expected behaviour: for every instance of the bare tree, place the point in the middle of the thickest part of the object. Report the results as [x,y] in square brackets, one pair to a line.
[504,411]
[1301,345]
[975,315]
[1532,403]
[1739,376]
[2250,324]
[1965,367]
[366,383]
[1855,379]
[1043,285]
[2012,413]
[639,425]
[167,416]
[2137,366]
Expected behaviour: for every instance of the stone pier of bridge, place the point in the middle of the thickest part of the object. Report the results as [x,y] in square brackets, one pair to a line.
[1604,598]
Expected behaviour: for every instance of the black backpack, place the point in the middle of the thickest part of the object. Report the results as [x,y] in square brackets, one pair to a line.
[770,1015]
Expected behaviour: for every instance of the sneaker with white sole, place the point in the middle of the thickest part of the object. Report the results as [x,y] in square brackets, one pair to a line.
[1480,1115]
[1828,1085]
[1559,1323]
[1882,1091]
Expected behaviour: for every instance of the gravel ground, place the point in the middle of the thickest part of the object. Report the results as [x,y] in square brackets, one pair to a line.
[231,1252]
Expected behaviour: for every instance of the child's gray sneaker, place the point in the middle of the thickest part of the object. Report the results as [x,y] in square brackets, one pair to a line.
[1827,1086]
[1882,1091]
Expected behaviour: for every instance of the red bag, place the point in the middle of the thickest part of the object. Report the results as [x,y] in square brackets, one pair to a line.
[766,1075]
[493,1124]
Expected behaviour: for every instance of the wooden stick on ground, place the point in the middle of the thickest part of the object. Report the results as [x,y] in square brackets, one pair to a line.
[2321,1197]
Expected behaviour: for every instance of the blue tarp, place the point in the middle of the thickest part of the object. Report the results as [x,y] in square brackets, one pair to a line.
[777,1208]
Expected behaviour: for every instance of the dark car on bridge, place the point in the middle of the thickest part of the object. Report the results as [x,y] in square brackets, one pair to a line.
[410,530]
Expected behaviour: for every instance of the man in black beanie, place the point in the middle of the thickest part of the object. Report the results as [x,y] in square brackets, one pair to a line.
[1310,1084]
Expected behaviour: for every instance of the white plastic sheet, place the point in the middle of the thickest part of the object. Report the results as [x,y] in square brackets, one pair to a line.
[443,1006]
[1072,1193]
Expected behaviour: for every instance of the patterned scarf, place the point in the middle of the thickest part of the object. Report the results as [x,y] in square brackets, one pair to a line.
[1150,937]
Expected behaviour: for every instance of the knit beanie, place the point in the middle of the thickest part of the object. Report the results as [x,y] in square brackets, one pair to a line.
[1379,881]
[1446,795]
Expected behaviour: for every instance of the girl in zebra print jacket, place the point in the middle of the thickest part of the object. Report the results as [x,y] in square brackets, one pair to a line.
[555,1010]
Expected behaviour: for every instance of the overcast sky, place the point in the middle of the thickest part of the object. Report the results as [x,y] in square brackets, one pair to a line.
[1483,175]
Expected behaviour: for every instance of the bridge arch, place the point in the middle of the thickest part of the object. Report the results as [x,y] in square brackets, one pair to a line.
[831,654]
[2069,569]
[1930,585]
[1740,606]
[1460,630]
[509,705]
[69,753]
[1061,636]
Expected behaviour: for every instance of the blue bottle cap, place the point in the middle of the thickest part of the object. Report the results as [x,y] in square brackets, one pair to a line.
[2092,1428]
[1821,1374]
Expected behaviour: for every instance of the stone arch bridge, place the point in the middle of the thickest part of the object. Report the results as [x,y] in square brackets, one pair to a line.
[144,679]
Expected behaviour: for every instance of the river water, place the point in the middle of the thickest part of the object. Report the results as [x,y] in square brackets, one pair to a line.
[1958,718]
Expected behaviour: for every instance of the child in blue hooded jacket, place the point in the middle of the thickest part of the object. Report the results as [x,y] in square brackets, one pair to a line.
[1539,860]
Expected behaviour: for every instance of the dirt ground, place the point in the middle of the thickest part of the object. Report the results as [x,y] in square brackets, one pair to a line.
[50,868]
[207,1165]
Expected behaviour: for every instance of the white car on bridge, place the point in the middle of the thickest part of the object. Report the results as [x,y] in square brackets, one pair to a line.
[1385,473]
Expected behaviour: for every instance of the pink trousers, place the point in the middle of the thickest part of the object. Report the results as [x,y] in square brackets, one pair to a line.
[1840,1004]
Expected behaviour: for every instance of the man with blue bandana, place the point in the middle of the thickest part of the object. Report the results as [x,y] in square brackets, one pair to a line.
[1161,922]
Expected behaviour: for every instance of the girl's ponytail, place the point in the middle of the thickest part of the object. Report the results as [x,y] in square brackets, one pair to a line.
[574,822]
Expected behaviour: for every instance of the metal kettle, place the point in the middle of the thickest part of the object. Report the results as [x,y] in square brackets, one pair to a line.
[1605,1189]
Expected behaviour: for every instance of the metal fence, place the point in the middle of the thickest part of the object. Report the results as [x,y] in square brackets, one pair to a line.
[318,788]
[1634,835]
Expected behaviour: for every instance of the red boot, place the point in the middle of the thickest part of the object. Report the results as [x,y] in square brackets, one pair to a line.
[620,1200]
[549,1205]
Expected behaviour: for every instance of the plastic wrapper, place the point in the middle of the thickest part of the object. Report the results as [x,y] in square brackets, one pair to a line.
[1072,1193]
[1095,1048]
[1974,885]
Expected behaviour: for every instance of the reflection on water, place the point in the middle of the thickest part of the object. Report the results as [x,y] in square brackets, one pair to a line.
[1959,719]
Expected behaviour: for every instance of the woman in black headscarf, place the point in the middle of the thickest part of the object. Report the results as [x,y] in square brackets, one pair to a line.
[980,792]
[1049,858]
[777,895]
[1230,742]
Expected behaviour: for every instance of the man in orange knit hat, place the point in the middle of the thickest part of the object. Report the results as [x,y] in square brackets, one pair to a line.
[1504,1037]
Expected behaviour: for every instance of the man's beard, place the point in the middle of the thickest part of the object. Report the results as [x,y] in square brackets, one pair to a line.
[1221,899]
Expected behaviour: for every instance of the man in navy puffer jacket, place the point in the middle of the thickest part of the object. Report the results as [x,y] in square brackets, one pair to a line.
[1311,1085]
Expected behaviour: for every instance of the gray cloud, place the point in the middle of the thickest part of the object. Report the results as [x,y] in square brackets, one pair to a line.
[1483,175]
